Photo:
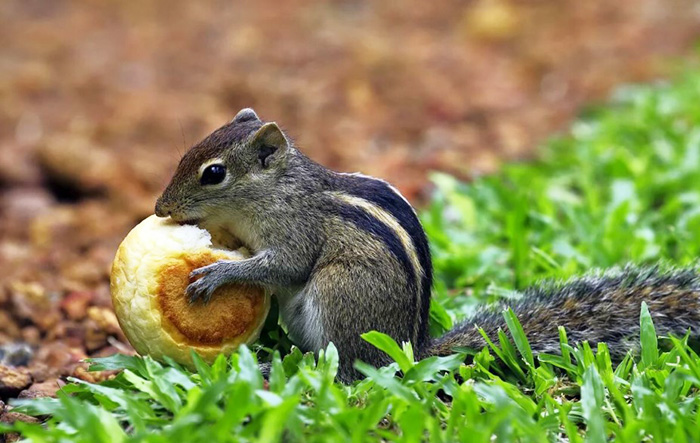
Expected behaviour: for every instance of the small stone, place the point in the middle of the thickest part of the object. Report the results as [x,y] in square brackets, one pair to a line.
[95,336]
[105,319]
[491,20]
[15,354]
[26,204]
[17,166]
[8,325]
[31,335]
[46,388]
[76,303]
[9,417]
[13,380]
[54,360]
[70,332]
[30,301]
[82,373]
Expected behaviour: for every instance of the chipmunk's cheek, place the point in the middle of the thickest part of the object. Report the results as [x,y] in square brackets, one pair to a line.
[150,275]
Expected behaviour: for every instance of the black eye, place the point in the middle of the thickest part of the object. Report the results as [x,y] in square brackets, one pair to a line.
[213,175]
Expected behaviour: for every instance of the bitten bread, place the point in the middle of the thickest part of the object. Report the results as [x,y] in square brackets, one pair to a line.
[148,280]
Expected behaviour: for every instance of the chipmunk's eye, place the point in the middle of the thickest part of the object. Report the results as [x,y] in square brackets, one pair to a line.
[213,174]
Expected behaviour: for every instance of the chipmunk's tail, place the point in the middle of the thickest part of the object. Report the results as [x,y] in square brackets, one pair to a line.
[599,307]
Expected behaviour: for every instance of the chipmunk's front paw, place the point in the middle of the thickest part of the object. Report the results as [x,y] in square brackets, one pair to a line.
[212,277]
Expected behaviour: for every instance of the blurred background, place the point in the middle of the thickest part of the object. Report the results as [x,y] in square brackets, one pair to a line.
[99,99]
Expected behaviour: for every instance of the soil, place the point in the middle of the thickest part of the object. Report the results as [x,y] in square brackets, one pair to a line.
[99,99]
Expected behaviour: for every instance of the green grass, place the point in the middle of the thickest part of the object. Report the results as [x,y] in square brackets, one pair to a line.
[623,186]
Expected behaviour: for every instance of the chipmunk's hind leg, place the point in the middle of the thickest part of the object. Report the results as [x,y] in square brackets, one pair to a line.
[348,304]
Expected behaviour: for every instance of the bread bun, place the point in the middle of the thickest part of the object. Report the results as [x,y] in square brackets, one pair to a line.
[148,280]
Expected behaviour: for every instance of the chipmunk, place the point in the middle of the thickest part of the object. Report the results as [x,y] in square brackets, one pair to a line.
[346,254]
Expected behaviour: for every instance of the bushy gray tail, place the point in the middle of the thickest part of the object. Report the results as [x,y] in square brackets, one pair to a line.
[600,307]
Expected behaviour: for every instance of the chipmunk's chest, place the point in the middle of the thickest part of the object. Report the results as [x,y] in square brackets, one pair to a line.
[302,316]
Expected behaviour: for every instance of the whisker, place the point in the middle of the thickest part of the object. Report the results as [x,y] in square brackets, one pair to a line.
[184,139]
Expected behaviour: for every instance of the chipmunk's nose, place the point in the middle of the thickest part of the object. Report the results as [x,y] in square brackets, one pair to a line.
[161,209]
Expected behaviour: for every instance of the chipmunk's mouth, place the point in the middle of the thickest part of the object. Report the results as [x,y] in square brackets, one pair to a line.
[186,219]
[177,215]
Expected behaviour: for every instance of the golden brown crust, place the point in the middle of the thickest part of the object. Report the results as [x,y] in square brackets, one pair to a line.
[233,310]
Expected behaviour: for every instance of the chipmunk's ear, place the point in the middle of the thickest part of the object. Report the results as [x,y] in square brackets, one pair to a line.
[245,115]
[269,143]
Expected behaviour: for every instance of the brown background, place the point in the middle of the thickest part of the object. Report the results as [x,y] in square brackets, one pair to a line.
[100,98]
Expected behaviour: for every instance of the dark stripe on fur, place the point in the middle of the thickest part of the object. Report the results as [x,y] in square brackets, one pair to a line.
[381,194]
[366,222]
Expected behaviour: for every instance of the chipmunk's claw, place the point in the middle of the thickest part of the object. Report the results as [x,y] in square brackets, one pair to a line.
[200,290]
[210,279]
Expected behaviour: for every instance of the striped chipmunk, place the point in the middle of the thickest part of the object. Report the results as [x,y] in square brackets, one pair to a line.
[346,254]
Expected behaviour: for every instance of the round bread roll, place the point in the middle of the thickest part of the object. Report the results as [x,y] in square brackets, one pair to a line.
[149,276]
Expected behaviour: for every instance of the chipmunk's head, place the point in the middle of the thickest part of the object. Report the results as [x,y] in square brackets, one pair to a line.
[236,163]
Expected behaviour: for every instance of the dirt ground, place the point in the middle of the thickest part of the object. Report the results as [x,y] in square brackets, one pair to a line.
[99,98]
